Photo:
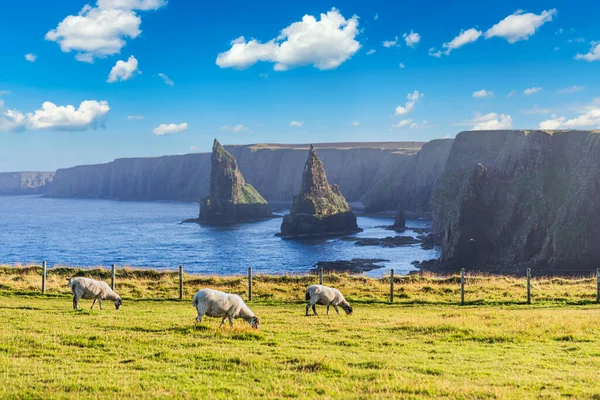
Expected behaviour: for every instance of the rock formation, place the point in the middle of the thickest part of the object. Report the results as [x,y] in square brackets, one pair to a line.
[510,200]
[19,183]
[319,209]
[231,198]
[399,220]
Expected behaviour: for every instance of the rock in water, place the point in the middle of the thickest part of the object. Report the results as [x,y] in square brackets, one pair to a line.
[319,209]
[231,198]
[399,220]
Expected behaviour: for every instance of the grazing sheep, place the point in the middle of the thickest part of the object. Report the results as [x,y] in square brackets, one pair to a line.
[326,296]
[218,304]
[86,288]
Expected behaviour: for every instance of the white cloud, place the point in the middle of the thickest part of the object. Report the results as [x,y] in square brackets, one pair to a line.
[410,104]
[589,119]
[519,26]
[90,114]
[97,32]
[167,129]
[390,43]
[123,70]
[491,121]
[235,128]
[411,38]
[355,123]
[376,17]
[422,125]
[372,51]
[402,66]
[532,90]
[482,93]
[297,124]
[30,57]
[404,122]
[135,117]
[511,93]
[325,44]
[193,148]
[465,37]
[166,79]
[570,89]
[592,55]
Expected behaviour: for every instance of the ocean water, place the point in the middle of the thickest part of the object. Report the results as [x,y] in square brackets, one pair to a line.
[90,233]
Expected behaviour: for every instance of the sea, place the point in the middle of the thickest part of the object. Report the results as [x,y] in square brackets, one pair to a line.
[151,234]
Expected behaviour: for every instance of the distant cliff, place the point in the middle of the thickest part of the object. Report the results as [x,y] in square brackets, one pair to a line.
[509,200]
[271,169]
[17,183]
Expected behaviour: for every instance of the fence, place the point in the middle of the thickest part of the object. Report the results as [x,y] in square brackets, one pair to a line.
[392,280]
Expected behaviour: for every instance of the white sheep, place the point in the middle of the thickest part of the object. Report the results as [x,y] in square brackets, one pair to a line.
[86,288]
[326,296]
[218,304]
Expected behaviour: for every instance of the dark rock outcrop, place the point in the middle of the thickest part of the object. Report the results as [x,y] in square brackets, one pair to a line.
[19,183]
[354,266]
[319,209]
[231,198]
[399,220]
[510,200]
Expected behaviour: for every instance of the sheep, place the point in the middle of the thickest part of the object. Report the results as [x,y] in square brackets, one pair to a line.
[223,305]
[86,288]
[326,296]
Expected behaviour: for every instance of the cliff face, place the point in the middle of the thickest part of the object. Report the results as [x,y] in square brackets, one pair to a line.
[271,169]
[231,198]
[319,209]
[408,183]
[17,183]
[509,200]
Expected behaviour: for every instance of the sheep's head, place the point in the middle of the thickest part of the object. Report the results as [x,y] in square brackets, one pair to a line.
[347,308]
[255,322]
[118,303]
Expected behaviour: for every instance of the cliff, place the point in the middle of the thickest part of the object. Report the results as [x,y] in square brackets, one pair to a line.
[319,209]
[18,183]
[271,169]
[510,200]
[231,198]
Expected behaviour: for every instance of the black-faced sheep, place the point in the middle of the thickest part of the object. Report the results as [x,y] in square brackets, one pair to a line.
[86,288]
[326,296]
[218,304]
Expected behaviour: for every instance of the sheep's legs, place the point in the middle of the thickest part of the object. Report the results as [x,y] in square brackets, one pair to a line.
[314,309]
[199,319]
[336,310]
[230,321]
[94,303]
[222,322]
[100,302]
[75,303]
[327,309]
[307,308]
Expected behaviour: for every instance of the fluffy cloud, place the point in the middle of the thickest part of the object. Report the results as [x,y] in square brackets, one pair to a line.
[372,51]
[532,90]
[519,26]
[411,38]
[482,93]
[355,123]
[592,55]
[167,129]
[511,93]
[90,114]
[123,70]
[570,89]
[589,119]
[235,128]
[166,79]
[390,43]
[297,124]
[410,104]
[403,123]
[101,31]
[325,44]
[491,121]
[465,37]
[30,57]
[402,66]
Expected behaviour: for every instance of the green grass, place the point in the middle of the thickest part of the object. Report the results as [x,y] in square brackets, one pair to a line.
[423,346]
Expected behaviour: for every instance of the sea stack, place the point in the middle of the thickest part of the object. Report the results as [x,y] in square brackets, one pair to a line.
[319,209]
[231,199]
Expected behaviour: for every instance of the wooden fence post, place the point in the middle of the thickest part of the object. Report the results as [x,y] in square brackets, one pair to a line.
[462,286]
[392,285]
[249,283]
[112,276]
[43,277]
[181,282]
[598,285]
[320,276]
[528,285]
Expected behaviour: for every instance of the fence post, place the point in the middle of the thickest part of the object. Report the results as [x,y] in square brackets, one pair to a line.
[528,285]
[598,285]
[181,282]
[112,276]
[43,277]
[392,285]
[249,283]
[462,286]
[320,276]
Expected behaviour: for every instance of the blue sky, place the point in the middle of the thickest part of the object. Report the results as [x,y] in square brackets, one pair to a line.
[291,79]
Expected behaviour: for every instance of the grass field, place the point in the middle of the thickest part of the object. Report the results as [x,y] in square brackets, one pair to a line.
[423,346]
